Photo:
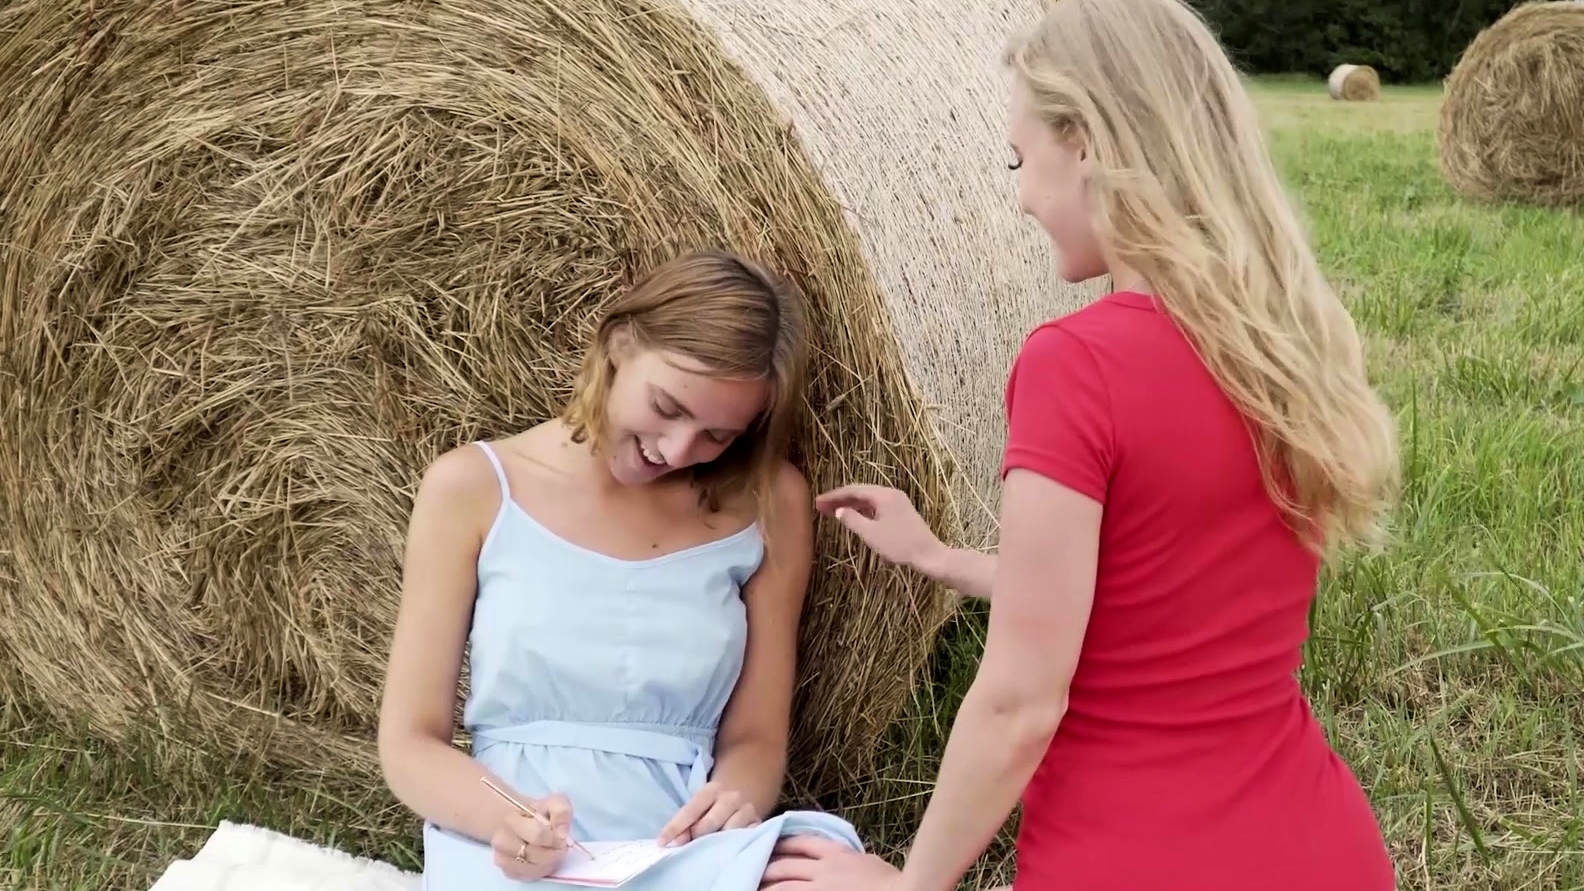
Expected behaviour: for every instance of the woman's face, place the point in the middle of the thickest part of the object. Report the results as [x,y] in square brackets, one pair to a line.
[1053,189]
[666,412]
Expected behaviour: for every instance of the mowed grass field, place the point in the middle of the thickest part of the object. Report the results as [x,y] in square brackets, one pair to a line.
[1449,670]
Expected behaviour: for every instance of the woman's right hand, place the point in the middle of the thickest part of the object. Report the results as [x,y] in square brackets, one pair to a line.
[886,521]
[526,848]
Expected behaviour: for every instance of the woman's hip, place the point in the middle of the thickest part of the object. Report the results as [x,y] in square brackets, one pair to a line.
[1317,838]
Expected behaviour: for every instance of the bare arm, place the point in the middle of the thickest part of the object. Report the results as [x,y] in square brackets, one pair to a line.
[751,745]
[887,521]
[439,577]
[1043,595]
[969,573]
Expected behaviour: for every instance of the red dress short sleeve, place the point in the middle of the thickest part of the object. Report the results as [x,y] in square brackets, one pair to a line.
[1188,758]
[1059,413]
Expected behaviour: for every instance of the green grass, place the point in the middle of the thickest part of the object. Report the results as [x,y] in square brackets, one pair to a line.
[1449,671]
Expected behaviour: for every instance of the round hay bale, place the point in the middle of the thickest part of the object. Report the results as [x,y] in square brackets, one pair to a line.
[1512,123]
[1354,83]
[264,261]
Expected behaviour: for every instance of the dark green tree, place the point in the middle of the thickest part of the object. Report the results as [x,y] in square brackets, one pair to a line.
[1405,40]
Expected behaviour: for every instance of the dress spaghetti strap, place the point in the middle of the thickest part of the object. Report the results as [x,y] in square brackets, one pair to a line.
[500,472]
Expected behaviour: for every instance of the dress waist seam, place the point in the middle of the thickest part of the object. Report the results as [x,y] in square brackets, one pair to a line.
[501,732]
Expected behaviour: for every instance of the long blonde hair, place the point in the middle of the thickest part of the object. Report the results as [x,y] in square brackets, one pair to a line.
[1187,196]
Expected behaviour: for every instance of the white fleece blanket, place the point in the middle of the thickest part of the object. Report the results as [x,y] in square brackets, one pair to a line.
[238,857]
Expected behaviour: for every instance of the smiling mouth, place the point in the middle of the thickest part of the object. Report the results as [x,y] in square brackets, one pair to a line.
[651,458]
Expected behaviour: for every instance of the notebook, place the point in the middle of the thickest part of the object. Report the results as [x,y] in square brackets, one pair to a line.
[612,865]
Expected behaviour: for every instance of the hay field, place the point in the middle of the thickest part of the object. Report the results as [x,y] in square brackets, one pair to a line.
[1448,671]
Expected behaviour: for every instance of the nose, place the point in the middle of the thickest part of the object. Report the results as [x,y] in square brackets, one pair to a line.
[679,446]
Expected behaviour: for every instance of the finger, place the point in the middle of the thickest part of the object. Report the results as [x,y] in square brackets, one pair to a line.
[503,861]
[771,885]
[787,847]
[533,864]
[789,869]
[558,810]
[713,819]
[688,815]
[829,506]
[855,520]
[509,868]
[850,490]
[809,846]
[545,858]
[862,496]
[533,831]
[742,819]
[679,825]
[831,500]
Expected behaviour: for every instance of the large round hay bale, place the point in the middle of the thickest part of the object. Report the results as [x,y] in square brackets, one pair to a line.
[1512,123]
[1354,83]
[264,261]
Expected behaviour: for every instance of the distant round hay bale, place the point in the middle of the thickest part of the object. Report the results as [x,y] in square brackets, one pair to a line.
[1512,123]
[1354,83]
[264,261]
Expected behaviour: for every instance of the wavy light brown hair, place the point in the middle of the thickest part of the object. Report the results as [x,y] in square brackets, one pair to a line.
[1187,196]
[738,320]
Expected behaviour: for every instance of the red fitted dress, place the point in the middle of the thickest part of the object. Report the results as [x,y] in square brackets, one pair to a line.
[1188,759]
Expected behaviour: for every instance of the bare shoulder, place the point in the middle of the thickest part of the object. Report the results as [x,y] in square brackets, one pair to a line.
[460,480]
[792,488]
[791,523]
[543,459]
[782,580]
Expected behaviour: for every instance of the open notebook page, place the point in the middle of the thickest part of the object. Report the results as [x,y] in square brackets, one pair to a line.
[613,863]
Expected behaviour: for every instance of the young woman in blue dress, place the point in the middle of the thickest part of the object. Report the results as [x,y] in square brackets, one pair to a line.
[627,581]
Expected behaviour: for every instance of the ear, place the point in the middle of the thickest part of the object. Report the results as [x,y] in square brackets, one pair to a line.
[619,344]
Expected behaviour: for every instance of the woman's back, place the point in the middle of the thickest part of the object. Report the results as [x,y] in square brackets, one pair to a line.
[1188,757]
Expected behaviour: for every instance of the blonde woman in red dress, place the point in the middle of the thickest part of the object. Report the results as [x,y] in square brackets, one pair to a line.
[1181,455]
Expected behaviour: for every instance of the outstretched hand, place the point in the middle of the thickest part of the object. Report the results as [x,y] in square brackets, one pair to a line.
[816,863]
[884,518]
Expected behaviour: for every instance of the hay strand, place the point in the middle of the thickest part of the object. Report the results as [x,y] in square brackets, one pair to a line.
[1354,83]
[265,261]
[1512,124]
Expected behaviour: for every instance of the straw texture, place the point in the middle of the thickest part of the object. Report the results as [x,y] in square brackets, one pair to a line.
[1512,125]
[900,107]
[265,260]
[1354,83]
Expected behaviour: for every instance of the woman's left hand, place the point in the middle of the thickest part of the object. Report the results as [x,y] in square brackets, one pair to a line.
[714,808]
[815,863]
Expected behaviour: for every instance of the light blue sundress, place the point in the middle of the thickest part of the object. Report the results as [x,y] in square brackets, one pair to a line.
[604,679]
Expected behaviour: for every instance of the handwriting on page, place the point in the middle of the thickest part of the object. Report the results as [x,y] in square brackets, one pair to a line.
[613,863]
